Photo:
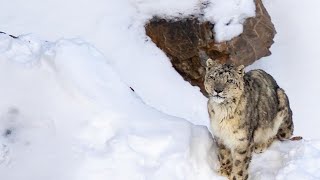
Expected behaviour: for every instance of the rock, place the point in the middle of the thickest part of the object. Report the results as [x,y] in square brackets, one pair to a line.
[189,42]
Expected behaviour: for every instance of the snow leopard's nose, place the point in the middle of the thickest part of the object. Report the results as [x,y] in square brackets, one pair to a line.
[218,89]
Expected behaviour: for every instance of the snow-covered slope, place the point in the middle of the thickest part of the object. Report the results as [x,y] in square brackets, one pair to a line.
[66,114]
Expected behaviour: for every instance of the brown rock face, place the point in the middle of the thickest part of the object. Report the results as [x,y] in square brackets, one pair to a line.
[189,42]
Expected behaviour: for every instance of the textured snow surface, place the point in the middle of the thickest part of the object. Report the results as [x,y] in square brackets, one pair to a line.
[65,114]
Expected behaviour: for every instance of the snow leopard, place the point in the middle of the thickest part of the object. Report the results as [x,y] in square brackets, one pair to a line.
[247,111]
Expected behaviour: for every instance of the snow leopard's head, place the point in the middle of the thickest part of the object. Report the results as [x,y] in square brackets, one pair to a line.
[224,82]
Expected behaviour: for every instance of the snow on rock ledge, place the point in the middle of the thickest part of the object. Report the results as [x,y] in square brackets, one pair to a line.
[227,15]
[188,41]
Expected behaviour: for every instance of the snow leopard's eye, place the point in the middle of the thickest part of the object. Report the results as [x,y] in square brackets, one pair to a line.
[230,81]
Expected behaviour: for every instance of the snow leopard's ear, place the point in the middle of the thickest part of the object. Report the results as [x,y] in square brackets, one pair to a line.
[211,63]
[241,69]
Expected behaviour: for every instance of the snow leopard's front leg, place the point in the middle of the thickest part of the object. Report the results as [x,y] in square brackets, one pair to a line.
[241,156]
[225,159]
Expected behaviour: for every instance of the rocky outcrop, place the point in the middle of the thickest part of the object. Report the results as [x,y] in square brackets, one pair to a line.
[189,42]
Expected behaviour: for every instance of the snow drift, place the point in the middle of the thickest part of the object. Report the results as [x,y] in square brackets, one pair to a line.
[65,114]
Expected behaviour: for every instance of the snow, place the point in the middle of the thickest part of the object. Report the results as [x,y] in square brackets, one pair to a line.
[288,160]
[67,110]
[68,107]
[228,17]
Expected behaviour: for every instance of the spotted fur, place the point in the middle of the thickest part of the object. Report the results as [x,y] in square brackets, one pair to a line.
[248,111]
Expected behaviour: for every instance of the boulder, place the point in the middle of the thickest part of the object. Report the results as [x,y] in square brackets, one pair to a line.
[188,42]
